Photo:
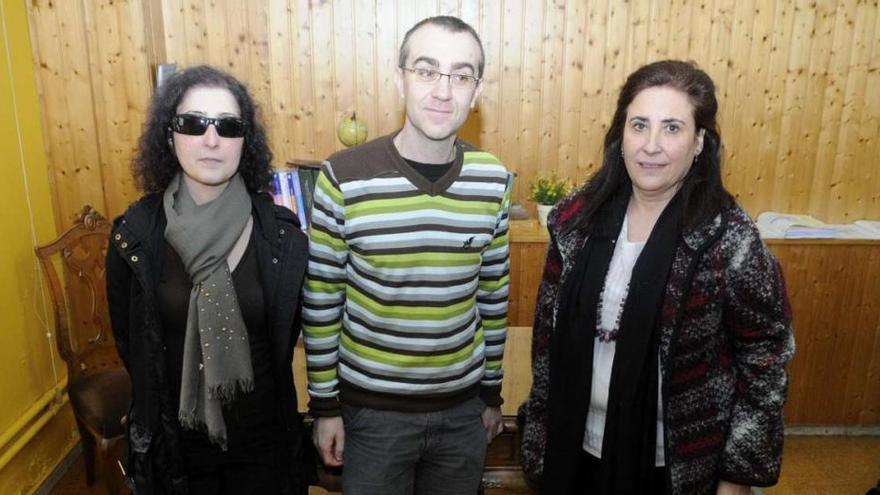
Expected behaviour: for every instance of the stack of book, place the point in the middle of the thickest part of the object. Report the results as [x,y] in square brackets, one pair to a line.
[294,187]
[774,225]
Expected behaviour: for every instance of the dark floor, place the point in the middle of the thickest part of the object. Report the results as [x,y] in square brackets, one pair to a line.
[812,466]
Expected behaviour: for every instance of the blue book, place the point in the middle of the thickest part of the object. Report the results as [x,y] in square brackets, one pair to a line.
[293,183]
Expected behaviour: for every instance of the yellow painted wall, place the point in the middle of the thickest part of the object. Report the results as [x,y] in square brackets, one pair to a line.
[29,365]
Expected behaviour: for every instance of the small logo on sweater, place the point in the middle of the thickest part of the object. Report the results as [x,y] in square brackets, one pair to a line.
[468,242]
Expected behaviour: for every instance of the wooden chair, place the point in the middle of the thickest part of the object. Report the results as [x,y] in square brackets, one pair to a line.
[98,385]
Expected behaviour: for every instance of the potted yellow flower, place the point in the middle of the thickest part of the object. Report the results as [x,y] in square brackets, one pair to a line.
[547,191]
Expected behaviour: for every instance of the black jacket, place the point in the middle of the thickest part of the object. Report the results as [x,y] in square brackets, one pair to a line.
[134,259]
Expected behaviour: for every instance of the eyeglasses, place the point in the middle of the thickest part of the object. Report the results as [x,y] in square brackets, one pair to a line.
[196,125]
[431,75]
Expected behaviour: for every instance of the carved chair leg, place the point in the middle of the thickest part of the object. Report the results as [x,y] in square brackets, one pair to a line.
[88,444]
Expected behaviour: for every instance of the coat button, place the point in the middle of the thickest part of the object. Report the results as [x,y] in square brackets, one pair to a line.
[281,232]
[274,261]
[124,244]
[134,259]
[117,236]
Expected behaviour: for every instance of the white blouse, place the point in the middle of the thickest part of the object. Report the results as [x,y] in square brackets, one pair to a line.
[610,308]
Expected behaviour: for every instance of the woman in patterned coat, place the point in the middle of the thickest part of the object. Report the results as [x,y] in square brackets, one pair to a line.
[663,328]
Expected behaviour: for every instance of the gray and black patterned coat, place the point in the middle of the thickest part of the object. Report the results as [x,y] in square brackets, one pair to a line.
[725,340]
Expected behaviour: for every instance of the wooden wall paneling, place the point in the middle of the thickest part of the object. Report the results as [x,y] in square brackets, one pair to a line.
[324,120]
[81,180]
[135,69]
[511,90]
[469,12]
[751,121]
[46,48]
[367,67]
[195,32]
[303,83]
[847,180]
[822,328]
[857,336]
[699,32]
[732,118]
[679,35]
[658,27]
[720,44]
[796,271]
[344,73]
[869,137]
[597,81]
[781,41]
[869,355]
[528,154]
[259,78]
[843,346]
[802,137]
[389,105]
[406,17]
[154,34]
[517,368]
[174,31]
[841,42]
[449,7]
[424,9]
[635,40]
[575,90]
[217,40]
[836,323]
[487,114]
[117,122]
[794,79]
[786,179]
[238,60]
[550,93]
[281,104]
[865,181]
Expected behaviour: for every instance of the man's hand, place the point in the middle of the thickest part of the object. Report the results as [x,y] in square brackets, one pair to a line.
[728,488]
[328,435]
[493,422]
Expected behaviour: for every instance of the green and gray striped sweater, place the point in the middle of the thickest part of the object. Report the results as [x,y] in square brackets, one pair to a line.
[405,304]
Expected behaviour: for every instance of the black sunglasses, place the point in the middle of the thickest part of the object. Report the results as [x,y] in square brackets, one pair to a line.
[196,125]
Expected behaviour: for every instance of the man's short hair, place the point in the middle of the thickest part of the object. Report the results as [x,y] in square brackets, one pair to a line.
[449,23]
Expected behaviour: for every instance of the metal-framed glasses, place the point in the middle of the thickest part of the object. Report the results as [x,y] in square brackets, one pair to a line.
[196,125]
[431,75]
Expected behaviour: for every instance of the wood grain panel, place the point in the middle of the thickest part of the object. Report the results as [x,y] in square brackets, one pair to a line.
[798,114]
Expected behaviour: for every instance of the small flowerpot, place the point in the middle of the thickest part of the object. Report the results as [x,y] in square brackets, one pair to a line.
[543,211]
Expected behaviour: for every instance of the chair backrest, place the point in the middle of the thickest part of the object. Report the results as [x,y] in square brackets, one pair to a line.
[82,321]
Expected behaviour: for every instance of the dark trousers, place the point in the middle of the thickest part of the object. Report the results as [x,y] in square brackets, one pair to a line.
[397,453]
[248,467]
[591,467]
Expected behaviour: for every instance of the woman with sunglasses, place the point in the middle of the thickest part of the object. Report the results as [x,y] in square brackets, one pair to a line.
[203,282]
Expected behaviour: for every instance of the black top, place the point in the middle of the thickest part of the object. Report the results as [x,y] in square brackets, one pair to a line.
[431,171]
[252,419]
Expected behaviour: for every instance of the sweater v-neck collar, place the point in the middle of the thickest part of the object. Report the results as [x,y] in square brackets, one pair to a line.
[424,185]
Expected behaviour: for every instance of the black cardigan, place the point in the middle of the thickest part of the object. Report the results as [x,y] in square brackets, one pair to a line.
[132,272]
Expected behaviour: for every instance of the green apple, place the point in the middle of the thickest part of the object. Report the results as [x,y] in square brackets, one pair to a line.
[351,131]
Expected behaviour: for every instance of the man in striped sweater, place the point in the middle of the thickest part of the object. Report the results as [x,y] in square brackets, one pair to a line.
[405,306]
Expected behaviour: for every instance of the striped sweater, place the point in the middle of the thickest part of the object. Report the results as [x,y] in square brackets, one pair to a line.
[405,303]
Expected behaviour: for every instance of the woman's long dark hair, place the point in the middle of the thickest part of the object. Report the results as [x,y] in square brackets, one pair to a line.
[156,163]
[702,190]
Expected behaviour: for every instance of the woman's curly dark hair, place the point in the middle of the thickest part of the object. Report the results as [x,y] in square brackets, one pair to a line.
[156,163]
